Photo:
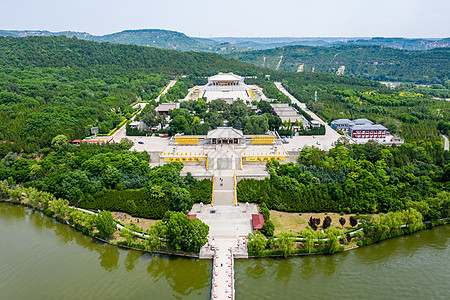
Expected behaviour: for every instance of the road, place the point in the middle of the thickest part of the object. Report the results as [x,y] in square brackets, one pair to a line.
[446,144]
[324,142]
[121,133]
[171,84]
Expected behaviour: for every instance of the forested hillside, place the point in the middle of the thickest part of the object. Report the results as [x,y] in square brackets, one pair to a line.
[57,85]
[372,62]
[414,116]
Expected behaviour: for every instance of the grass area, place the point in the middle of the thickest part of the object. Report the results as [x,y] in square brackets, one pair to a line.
[127,219]
[296,222]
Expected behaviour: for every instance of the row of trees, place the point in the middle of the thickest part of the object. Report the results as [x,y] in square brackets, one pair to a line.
[331,239]
[175,232]
[357,179]
[108,177]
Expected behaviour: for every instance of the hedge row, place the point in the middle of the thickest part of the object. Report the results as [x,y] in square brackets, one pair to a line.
[299,251]
[138,203]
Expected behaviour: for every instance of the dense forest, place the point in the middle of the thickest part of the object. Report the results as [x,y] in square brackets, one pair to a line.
[372,62]
[57,85]
[358,179]
[411,115]
[106,177]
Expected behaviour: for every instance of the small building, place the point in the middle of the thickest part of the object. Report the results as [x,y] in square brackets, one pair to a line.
[376,131]
[225,135]
[287,113]
[315,123]
[342,124]
[257,221]
[165,108]
[362,122]
[138,125]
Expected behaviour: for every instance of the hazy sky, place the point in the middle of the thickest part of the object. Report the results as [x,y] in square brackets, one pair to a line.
[314,18]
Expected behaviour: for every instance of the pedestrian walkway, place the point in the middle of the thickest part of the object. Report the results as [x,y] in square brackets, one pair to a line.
[223,189]
[222,286]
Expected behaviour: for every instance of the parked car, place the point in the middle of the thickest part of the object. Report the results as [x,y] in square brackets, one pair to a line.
[141,142]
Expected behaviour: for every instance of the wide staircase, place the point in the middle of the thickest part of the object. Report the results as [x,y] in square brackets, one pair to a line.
[223,189]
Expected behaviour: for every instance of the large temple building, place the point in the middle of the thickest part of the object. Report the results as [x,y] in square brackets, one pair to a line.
[228,87]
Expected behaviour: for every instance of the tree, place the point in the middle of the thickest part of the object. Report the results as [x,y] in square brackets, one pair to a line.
[310,236]
[256,242]
[256,125]
[265,107]
[59,141]
[326,222]
[60,207]
[413,219]
[111,177]
[332,239]
[11,157]
[353,221]
[178,124]
[105,223]
[348,236]
[184,234]
[181,199]
[342,221]
[285,242]
[268,228]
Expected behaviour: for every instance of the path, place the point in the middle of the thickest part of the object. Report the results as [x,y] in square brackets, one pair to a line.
[322,141]
[171,84]
[446,143]
[122,132]
[279,63]
[229,224]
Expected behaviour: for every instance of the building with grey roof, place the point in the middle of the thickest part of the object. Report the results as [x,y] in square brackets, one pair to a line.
[228,87]
[344,125]
[225,135]
[165,108]
[289,114]
[362,122]
[376,131]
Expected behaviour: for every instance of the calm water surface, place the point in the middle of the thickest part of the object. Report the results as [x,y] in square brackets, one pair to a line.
[41,259]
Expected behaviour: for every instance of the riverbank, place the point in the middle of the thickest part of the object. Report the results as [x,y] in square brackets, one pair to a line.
[356,243]
[120,241]
[116,239]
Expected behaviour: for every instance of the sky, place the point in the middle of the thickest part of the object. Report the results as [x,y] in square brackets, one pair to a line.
[237,18]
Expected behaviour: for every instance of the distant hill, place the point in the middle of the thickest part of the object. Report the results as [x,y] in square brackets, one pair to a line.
[154,37]
[159,38]
[372,62]
[255,43]
[402,43]
[174,40]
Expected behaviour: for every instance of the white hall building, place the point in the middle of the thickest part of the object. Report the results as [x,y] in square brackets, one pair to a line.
[228,87]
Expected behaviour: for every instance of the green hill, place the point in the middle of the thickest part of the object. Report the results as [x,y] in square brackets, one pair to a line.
[372,62]
[52,85]
[58,85]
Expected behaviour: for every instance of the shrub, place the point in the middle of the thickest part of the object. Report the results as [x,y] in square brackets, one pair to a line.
[268,228]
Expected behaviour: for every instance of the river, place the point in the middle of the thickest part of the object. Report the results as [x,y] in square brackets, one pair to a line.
[42,259]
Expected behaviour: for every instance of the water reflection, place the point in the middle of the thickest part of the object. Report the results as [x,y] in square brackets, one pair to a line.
[109,257]
[256,270]
[130,261]
[183,275]
[284,268]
